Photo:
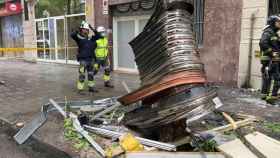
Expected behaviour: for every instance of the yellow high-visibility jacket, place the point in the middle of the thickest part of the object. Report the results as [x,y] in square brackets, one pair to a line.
[102,48]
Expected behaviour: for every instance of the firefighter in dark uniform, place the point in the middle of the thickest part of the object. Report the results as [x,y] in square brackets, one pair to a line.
[86,45]
[102,56]
[270,59]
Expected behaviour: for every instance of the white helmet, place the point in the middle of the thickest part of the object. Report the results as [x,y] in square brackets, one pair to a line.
[101,29]
[84,25]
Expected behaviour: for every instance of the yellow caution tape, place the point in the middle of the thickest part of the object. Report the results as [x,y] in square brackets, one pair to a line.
[32,49]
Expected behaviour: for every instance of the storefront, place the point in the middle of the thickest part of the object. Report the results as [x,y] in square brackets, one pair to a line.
[53,28]
[52,36]
[53,22]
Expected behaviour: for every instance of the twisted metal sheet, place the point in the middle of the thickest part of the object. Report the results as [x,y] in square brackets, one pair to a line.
[171,73]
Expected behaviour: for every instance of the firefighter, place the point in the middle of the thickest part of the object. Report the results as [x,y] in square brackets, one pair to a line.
[85,57]
[270,59]
[102,56]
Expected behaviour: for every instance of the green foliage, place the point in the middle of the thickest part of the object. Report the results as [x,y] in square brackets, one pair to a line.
[115,145]
[71,135]
[208,146]
[274,127]
[54,7]
[58,7]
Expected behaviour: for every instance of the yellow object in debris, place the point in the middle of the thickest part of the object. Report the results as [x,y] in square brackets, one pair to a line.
[230,120]
[130,144]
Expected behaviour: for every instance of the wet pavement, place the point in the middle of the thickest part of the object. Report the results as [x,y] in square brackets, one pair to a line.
[31,149]
[27,86]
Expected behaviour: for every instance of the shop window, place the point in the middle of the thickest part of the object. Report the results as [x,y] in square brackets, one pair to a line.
[45,8]
[274,7]
[199,21]
[51,34]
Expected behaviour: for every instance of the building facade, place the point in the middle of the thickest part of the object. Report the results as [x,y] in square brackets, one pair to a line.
[253,20]
[227,33]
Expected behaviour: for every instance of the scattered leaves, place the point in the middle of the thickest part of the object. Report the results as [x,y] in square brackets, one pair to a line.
[72,135]
[274,127]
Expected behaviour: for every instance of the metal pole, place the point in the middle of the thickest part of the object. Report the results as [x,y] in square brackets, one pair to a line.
[116,135]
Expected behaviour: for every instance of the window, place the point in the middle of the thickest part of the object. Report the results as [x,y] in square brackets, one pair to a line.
[199,21]
[274,7]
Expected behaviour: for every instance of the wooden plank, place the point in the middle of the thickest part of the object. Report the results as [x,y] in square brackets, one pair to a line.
[173,155]
[230,127]
[230,120]
[269,147]
[236,149]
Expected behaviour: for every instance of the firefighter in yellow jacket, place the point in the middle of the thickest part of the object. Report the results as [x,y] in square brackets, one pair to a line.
[102,56]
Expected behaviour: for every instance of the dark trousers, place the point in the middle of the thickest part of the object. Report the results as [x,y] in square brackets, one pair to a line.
[266,78]
[275,77]
[85,67]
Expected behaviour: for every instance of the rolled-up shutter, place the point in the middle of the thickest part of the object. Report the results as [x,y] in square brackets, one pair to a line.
[274,7]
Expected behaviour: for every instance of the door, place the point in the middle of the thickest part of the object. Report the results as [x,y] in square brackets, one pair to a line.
[40,39]
[60,40]
[126,32]
[12,34]
[126,29]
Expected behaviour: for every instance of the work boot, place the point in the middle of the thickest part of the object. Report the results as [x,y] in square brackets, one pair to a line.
[271,99]
[108,84]
[92,90]
[81,92]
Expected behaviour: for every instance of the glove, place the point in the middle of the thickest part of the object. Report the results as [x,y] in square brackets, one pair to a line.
[266,72]
[275,54]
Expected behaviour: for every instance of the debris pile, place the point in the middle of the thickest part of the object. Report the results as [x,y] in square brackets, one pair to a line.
[125,141]
[173,82]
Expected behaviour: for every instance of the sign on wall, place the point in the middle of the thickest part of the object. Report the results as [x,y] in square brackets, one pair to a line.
[105,7]
[11,8]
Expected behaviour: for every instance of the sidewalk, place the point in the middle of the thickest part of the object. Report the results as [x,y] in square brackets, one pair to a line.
[28,86]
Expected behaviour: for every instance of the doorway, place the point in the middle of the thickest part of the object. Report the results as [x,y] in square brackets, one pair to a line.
[124,30]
